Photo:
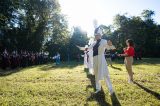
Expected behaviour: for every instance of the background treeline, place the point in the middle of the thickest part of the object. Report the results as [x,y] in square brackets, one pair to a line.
[39,25]
[142,29]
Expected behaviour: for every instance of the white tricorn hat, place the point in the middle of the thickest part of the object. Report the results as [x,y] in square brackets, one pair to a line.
[98,31]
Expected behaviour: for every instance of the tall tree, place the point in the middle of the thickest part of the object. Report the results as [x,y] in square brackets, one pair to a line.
[147,14]
[144,32]
[79,38]
[26,22]
[59,36]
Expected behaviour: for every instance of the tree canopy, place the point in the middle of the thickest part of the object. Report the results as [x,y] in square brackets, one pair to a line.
[142,29]
[37,25]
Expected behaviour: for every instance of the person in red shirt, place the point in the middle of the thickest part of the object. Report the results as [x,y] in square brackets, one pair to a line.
[128,61]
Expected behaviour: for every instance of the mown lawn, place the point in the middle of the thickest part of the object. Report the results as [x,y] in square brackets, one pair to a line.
[69,84]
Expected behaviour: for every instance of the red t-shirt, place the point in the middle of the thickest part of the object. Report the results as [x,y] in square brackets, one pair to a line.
[130,51]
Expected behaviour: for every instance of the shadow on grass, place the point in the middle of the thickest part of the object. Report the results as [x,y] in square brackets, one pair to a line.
[43,67]
[63,65]
[100,97]
[116,68]
[144,61]
[155,94]
[7,72]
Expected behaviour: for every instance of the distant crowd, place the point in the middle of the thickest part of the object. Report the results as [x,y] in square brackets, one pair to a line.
[24,58]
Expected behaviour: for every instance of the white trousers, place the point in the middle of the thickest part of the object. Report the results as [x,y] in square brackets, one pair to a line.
[108,83]
[106,78]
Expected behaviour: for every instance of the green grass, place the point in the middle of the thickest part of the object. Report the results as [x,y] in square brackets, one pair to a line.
[69,84]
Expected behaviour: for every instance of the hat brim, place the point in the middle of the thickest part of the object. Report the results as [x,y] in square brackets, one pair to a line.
[97,34]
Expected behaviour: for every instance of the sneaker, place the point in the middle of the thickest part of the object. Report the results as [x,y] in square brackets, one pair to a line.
[130,81]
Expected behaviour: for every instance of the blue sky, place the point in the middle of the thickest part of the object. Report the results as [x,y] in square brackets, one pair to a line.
[83,12]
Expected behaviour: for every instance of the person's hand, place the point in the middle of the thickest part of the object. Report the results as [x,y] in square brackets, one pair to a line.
[77,46]
[119,55]
[81,48]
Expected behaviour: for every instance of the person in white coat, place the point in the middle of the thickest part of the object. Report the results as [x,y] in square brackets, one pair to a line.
[99,62]
[90,61]
[88,58]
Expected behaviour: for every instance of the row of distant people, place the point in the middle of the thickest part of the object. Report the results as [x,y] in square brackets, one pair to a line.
[22,59]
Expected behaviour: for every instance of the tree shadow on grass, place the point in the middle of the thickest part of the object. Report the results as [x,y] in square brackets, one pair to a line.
[7,72]
[155,94]
[100,97]
[43,67]
[144,61]
[148,61]
[63,65]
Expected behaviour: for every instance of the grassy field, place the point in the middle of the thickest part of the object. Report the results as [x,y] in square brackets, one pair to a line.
[69,84]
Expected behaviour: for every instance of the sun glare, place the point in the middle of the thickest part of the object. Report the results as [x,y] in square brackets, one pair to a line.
[83,12]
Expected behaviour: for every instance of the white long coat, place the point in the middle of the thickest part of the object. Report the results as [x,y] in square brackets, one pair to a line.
[85,59]
[90,61]
[100,61]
